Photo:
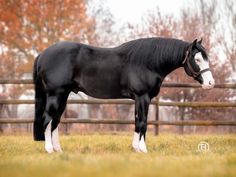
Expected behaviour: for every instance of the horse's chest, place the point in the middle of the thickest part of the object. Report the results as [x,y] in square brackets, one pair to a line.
[140,80]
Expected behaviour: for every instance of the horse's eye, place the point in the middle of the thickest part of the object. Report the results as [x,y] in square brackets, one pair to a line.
[198,60]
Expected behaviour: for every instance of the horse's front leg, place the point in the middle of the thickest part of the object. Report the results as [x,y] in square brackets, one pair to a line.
[141,112]
[135,142]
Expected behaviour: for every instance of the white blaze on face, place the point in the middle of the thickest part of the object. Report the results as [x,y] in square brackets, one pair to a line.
[208,80]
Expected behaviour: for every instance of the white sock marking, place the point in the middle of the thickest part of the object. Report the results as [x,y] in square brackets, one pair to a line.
[55,140]
[142,145]
[48,138]
[135,142]
[139,146]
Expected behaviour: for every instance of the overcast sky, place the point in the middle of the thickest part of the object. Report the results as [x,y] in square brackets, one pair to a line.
[133,10]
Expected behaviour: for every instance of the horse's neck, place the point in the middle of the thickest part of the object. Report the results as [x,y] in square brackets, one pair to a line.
[171,63]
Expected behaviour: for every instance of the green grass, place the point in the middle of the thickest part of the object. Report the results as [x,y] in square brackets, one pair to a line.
[111,156]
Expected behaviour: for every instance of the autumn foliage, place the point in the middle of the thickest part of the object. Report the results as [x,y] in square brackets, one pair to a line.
[28,27]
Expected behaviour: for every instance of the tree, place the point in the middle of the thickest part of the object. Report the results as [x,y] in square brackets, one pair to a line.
[28,27]
[228,39]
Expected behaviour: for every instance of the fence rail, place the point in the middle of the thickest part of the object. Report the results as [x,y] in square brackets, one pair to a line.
[118,121]
[126,101]
[165,84]
[158,103]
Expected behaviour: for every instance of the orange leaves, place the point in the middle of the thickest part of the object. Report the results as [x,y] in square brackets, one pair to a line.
[28,27]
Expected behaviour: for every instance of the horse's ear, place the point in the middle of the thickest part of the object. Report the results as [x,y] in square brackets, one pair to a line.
[193,44]
[200,41]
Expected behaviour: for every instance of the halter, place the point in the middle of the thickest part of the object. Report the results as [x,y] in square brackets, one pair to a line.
[193,73]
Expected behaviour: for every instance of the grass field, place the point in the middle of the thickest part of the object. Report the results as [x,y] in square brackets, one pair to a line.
[111,156]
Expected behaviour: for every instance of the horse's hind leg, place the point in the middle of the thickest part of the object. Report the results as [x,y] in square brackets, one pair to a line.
[55,134]
[48,137]
[55,140]
[55,106]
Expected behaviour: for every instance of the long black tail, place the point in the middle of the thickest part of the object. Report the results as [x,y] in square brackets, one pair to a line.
[40,103]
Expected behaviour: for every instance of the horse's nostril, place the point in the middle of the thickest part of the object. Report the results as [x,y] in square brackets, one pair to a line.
[211,82]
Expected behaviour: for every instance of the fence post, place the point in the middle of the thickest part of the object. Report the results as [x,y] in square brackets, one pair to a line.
[156,128]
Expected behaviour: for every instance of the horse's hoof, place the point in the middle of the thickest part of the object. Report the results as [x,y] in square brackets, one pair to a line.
[143,149]
[49,149]
[58,149]
[135,145]
[136,149]
[142,146]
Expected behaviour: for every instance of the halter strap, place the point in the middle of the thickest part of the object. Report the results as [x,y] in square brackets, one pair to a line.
[185,58]
[194,73]
[205,70]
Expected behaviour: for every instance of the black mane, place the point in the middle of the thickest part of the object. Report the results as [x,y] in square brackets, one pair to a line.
[152,52]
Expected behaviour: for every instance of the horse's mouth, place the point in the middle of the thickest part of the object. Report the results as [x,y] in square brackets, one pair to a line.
[207,87]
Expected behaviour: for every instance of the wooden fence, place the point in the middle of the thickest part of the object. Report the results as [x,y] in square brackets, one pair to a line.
[155,102]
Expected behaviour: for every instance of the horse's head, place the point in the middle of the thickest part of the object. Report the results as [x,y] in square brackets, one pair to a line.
[196,64]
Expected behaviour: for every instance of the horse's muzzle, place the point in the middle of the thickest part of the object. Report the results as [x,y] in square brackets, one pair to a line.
[209,85]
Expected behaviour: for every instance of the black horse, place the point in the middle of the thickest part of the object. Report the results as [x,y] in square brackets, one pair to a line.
[134,70]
